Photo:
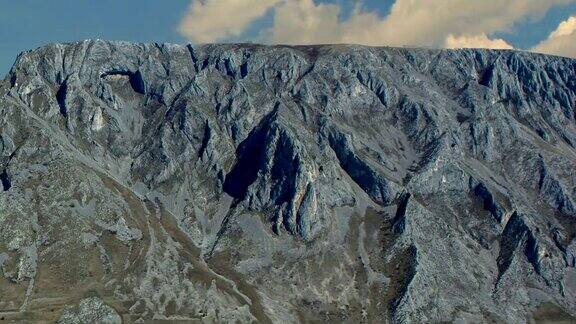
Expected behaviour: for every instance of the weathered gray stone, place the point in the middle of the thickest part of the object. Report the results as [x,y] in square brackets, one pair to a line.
[242,182]
[90,310]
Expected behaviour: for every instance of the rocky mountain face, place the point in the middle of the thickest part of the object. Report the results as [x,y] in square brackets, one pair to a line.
[246,183]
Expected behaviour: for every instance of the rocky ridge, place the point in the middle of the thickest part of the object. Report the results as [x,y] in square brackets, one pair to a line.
[243,182]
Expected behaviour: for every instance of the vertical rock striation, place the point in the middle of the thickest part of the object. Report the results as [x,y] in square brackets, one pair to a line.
[243,182]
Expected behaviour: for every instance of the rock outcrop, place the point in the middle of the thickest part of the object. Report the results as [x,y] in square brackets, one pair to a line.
[245,183]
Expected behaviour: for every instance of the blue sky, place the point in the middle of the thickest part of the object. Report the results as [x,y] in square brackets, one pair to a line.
[26,24]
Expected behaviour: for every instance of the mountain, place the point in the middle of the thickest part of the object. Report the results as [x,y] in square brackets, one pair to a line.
[279,184]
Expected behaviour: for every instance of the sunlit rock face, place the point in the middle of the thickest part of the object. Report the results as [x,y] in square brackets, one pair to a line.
[245,183]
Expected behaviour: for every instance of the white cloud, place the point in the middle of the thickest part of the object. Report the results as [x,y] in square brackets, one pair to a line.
[439,23]
[430,22]
[216,20]
[410,22]
[479,41]
[565,28]
[304,22]
[562,41]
